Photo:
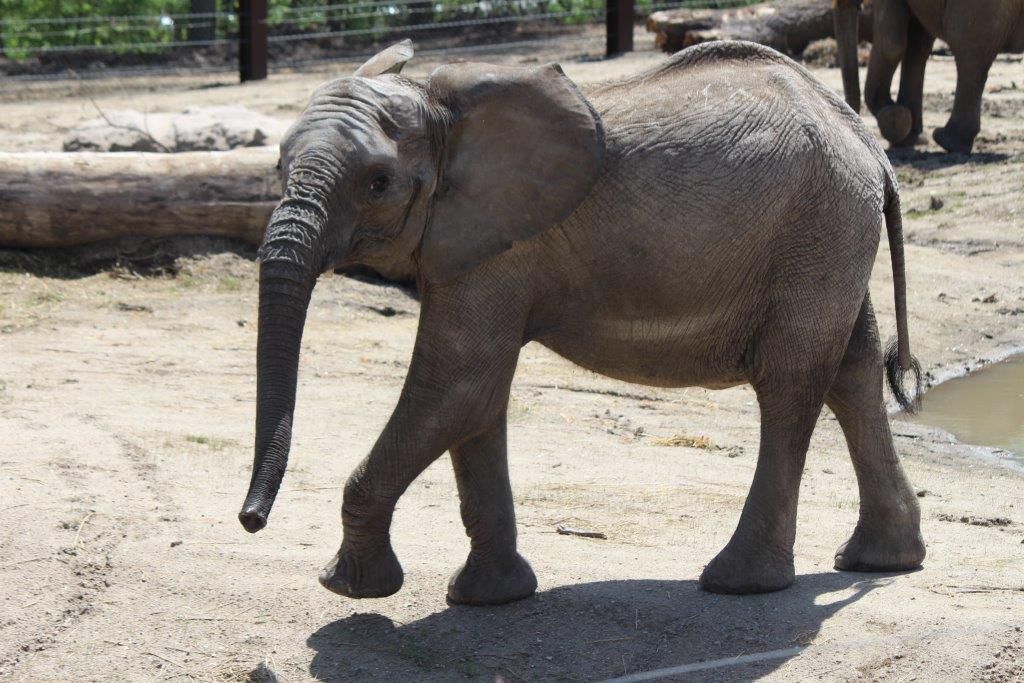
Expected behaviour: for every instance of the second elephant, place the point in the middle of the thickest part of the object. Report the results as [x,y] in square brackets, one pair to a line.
[904,31]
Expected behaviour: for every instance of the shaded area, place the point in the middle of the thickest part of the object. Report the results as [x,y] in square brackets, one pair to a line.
[589,631]
[130,256]
[932,161]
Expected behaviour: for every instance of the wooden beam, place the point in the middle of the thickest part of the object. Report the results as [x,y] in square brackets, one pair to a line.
[252,40]
[60,199]
[620,15]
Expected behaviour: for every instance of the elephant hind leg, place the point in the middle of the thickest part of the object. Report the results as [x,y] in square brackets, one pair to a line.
[759,556]
[965,121]
[888,532]
[791,375]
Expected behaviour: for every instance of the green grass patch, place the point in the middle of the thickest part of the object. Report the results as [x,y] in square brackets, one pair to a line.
[211,442]
[48,297]
[229,283]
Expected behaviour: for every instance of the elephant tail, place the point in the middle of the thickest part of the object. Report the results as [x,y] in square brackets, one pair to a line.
[898,359]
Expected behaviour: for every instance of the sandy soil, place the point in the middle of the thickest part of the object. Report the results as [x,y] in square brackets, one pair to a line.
[126,417]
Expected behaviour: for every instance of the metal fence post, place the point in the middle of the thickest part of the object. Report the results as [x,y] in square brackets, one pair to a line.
[619,18]
[252,40]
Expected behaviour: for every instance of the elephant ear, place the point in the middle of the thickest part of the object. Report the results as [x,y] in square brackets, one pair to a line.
[390,60]
[523,152]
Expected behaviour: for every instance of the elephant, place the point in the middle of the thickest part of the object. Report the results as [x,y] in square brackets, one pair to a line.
[710,222]
[904,31]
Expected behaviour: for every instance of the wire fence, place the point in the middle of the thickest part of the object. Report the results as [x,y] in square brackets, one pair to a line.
[298,31]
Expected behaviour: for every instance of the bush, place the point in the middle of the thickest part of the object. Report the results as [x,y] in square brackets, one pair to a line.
[147,26]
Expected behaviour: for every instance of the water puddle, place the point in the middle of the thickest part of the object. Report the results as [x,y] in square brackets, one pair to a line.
[985,408]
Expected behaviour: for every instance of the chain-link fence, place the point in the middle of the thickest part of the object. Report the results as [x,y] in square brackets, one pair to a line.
[52,39]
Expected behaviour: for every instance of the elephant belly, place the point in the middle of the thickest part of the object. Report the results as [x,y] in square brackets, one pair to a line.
[665,352]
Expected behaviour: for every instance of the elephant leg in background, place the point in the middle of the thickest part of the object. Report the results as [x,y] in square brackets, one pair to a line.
[964,123]
[846,20]
[888,533]
[891,25]
[457,388]
[791,378]
[494,572]
[911,95]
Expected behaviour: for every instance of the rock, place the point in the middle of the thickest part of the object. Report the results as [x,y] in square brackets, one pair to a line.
[133,308]
[122,131]
[197,129]
[224,128]
[977,521]
[935,202]
[263,674]
[822,53]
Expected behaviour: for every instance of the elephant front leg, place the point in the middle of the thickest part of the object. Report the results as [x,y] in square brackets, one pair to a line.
[911,95]
[366,566]
[891,23]
[456,390]
[425,424]
[494,572]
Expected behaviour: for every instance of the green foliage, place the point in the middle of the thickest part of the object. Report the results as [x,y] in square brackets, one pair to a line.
[151,25]
[66,23]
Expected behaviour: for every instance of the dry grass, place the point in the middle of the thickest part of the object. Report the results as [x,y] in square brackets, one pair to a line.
[687,440]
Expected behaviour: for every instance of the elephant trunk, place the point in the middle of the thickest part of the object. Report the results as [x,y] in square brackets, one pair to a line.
[846,18]
[290,261]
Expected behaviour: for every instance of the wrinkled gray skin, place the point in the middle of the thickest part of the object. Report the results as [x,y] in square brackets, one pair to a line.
[904,30]
[711,222]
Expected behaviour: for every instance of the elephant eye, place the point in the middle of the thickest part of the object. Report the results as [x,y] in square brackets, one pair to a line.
[379,185]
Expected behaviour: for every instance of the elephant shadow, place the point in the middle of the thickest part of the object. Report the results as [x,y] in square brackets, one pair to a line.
[592,631]
[922,160]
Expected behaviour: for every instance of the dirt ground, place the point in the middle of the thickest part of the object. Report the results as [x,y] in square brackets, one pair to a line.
[126,424]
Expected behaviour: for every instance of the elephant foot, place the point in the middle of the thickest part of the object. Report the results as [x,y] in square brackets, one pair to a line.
[895,123]
[748,570]
[374,574]
[488,582]
[952,140]
[882,548]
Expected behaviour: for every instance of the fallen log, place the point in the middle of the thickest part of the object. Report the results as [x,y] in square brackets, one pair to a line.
[56,199]
[788,26]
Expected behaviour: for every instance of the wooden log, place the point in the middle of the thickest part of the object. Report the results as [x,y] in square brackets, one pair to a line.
[58,199]
[785,25]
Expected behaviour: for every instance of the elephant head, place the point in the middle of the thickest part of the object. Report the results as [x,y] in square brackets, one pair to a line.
[423,178]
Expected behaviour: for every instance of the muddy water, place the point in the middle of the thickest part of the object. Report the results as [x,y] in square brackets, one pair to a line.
[984,408]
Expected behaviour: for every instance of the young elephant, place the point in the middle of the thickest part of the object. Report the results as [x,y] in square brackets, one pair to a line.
[904,30]
[710,222]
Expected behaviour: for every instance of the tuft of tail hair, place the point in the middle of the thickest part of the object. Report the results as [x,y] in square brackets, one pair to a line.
[896,374]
